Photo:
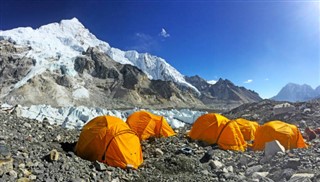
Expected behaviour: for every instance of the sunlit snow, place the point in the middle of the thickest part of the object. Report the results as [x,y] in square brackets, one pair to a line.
[55,47]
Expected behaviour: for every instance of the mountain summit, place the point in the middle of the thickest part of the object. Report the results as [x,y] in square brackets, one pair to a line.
[223,93]
[294,92]
[57,44]
[63,64]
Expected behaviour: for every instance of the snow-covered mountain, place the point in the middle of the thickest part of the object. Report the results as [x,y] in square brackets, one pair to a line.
[56,45]
[63,64]
[294,92]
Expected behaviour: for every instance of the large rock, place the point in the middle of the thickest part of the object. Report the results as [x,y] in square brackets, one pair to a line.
[273,147]
[283,108]
[6,161]
[305,177]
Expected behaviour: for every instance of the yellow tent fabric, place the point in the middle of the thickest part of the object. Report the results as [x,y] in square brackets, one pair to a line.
[216,129]
[147,125]
[287,134]
[109,140]
[248,128]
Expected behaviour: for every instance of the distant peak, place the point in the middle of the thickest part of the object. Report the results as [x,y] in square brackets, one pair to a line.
[72,21]
[222,81]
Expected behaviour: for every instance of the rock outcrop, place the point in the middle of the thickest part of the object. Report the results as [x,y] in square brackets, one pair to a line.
[223,93]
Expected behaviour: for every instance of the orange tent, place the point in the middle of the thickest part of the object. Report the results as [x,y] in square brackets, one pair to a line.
[247,128]
[108,139]
[217,129]
[287,134]
[146,125]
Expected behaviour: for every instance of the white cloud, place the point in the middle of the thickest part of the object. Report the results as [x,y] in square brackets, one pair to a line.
[248,81]
[164,33]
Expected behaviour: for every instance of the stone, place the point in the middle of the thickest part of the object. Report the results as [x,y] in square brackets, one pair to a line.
[4,152]
[230,169]
[159,151]
[293,163]
[265,179]
[32,177]
[214,164]
[25,172]
[253,169]
[6,165]
[27,125]
[58,138]
[54,155]
[205,172]
[283,108]
[301,177]
[23,180]
[272,148]
[207,156]
[259,175]
[13,174]
[99,166]
[243,161]
[115,180]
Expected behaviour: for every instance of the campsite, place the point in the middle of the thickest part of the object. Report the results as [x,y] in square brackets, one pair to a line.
[168,91]
[41,151]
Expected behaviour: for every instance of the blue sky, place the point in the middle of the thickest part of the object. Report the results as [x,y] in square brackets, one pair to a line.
[261,45]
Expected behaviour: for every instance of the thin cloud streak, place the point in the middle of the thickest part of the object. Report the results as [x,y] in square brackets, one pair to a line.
[248,81]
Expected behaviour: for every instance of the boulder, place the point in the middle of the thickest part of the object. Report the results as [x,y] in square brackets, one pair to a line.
[273,147]
[293,163]
[215,164]
[54,155]
[305,177]
[6,161]
[253,169]
[6,165]
[283,108]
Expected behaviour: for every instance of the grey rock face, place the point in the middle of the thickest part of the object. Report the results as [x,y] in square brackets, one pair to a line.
[223,92]
[13,65]
[294,92]
[100,82]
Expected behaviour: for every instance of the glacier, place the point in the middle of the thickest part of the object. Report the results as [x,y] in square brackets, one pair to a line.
[56,45]
[76,117]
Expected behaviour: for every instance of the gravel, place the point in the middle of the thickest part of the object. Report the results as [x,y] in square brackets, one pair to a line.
[44,152]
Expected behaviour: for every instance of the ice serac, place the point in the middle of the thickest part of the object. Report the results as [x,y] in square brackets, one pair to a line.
[55,46]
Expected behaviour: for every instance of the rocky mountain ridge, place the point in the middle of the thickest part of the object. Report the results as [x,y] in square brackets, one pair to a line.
[223,91]
[102,82]
[294,92]
[57,45]
[63,64]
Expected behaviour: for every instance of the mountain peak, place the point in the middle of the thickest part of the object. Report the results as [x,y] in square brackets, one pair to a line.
[294,92]
[72,22]
[56,45]
[222,81]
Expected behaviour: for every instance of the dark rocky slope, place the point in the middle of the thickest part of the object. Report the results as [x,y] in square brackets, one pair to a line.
[223,93]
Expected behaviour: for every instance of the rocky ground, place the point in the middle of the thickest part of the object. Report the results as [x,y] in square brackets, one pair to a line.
[43,152]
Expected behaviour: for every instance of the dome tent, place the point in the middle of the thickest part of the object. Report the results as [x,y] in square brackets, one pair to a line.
[248,128]
[287,134]
[147,125]
[109,140]
[216,129]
